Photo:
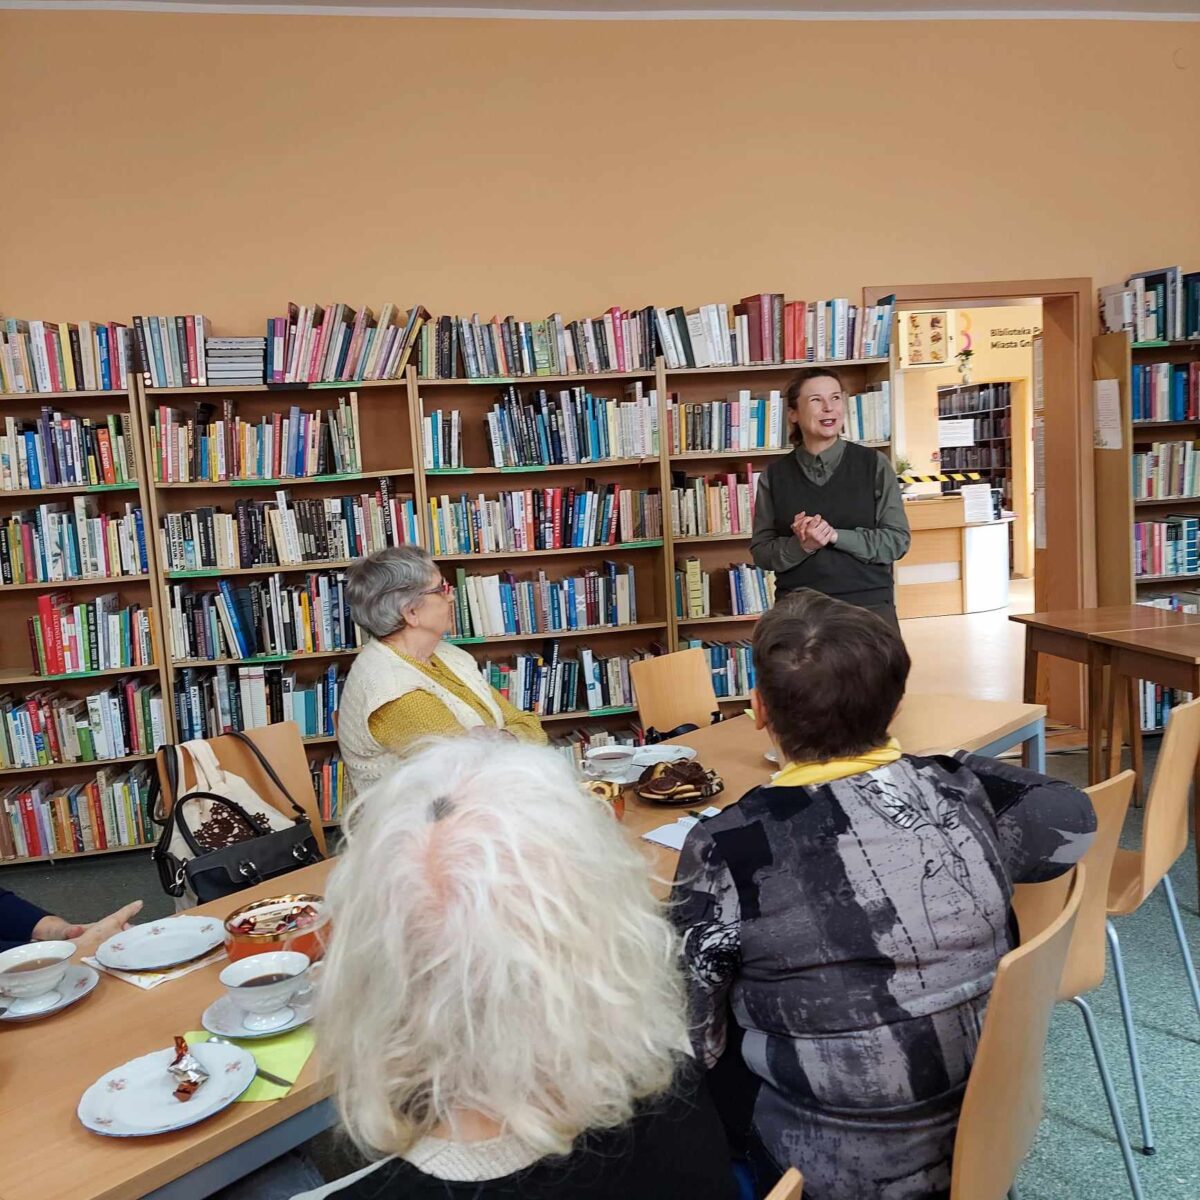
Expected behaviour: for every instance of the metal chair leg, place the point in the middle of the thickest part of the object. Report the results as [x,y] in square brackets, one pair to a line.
[1135,1184]
[1181,937]
[1139,1084]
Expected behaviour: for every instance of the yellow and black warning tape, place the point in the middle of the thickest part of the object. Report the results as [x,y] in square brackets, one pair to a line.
[950,477]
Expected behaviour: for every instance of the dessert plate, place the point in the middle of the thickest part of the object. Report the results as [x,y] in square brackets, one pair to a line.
[161,944]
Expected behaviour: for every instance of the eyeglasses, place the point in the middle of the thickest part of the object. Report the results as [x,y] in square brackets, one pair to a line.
[442,589]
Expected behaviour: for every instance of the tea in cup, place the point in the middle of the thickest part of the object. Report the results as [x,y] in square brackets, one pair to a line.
[263,986]
[608,762]
[30,974]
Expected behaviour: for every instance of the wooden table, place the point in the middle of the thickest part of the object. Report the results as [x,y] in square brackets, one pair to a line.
[45,1066]
[1078,636]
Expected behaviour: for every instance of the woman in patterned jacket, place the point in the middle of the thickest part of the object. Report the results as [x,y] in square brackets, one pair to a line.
[842,923]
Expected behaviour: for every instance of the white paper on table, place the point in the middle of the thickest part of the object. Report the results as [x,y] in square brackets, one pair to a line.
[151,979]
[956,433]
[673,836]
[1107,398]
[977,503]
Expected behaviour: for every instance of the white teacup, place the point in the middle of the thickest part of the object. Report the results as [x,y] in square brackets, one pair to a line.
[34,989]
[608,762]
[265,1006]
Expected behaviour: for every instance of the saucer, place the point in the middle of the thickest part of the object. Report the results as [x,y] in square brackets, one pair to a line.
[76,983]
[224,1018]
[137,1098]
[645,756]
[158,945]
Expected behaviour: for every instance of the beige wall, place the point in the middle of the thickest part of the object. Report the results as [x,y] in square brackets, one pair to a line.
[228,163]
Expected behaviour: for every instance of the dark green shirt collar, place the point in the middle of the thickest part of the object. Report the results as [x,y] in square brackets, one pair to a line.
[819,467]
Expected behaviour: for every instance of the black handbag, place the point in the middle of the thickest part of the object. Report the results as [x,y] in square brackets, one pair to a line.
[214,873]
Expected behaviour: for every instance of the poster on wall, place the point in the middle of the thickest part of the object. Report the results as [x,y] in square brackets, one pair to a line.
[925,338]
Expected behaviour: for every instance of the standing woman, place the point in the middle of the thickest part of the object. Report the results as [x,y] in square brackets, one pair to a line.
[829,515]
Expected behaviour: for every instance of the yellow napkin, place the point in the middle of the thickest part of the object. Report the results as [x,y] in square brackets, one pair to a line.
[284,1056]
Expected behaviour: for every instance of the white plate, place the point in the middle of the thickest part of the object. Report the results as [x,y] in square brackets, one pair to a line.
[161,944]
[76,983]
[137,1099]
[644,756]
[224,1018]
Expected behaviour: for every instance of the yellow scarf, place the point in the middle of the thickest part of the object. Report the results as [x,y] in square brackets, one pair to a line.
[805,774]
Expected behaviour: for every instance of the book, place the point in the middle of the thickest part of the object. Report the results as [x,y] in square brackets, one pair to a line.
[715,504]
[68,636]
[731,664]
[59,449]
[56,542]
[751,590]
[170,351]
[742,421]
[88,357]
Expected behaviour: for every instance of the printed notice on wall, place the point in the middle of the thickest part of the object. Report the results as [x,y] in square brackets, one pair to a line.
[1039,390]
[1107,397]
[1039,518]
[1039,483]
[977,503]
[956,433]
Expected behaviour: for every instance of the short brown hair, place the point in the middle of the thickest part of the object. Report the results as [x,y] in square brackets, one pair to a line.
[792,392]
[829,674]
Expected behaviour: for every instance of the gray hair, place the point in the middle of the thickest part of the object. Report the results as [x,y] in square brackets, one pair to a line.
[382,585]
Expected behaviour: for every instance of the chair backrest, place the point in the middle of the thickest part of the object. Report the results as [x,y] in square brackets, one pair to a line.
[1165,828]
[1003,1102]
[790,1187]
[674,689]
[283,747]
[1039,904]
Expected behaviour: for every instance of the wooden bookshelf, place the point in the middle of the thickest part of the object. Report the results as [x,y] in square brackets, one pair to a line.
[18,601]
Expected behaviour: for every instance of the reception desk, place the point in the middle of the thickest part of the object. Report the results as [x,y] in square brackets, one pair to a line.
[951,567]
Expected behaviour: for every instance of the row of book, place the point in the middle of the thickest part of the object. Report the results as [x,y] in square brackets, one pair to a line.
[89,635]
[869,415]
[265,617]
[742,421]
[1168,470]
[280,445]
[338,343]
[211,701]
[331,786]
[751,590]
[54,543]
[42,819]
[1165,391]
[45,356]
[1162,305]
[717,504]
[544,519]
[573,426]
[961,400]
[731,664]
[58,449]
[288,532]
[996,456]
[1169,546]
[45,727]
[168,351]
[501,604]
[551,682]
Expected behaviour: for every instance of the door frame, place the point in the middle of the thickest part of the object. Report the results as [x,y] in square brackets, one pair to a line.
[1065,572]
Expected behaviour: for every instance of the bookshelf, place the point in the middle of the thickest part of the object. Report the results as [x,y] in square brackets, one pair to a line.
[62,747]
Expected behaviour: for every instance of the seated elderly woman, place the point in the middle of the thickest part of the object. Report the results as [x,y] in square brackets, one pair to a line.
[408,682]
[502,1006]
[852,911]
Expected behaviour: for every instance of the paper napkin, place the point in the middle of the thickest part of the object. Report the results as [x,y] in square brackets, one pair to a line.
[151,979]
[284,1056]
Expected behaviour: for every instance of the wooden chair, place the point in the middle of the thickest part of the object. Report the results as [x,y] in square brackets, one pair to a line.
[1003,1102]
[1136,873]
[283,748]
[790,1187]
[1038,904]
[674,689]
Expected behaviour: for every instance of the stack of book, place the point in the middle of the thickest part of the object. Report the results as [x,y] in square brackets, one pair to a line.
[235,361]
[1168,470]
[59,449]
[716,505]
[545,519]
[92,635]
[53,543]
[1165,391]
[169,351]
[573,426]
[288,532]
[1166,547]
[499,605]
[731,663]
[549,683]
[212,701]
[331,786]
[739,422]
[43,819]
[41,356]
[574,745]
[280,445]
[751,590]
[869,415]
[45,727]
[266,617]
[312,344]
[1162,305]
